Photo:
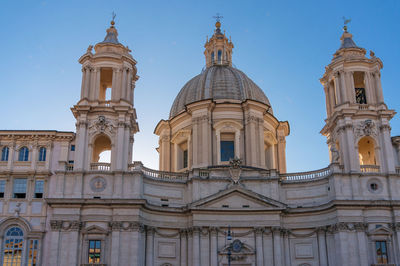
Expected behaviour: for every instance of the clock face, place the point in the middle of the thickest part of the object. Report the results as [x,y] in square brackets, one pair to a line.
[237,246]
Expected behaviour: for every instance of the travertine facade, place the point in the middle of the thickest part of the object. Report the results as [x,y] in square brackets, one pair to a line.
[222,195]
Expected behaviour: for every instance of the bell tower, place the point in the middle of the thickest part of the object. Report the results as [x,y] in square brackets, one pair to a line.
[105,114]
[357,124]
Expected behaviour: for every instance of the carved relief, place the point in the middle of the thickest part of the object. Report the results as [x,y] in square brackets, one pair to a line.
[101,125]
[365,128]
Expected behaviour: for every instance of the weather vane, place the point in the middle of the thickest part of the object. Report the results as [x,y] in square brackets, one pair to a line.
[346,21]
[218,17]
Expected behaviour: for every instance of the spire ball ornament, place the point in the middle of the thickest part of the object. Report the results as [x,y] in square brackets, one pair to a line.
[345,22]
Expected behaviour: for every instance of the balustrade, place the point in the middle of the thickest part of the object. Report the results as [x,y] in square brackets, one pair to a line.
[369,168]
[100,166]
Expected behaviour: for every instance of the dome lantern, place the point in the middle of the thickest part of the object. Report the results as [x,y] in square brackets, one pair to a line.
[218,48]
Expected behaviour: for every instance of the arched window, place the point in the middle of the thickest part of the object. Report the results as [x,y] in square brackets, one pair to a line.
[23,154]
[13,247]
[102,150]
[42,154]
[212,57]
[4,153]
[219,56]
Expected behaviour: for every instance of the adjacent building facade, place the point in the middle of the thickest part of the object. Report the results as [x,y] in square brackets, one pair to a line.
[222,195]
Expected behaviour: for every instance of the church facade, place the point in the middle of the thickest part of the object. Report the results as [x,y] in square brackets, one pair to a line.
[222,195]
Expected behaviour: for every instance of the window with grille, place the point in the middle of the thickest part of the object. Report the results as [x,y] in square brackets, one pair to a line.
[19,188]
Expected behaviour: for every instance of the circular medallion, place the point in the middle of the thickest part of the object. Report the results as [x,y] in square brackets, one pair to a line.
[237,245]
[98,184]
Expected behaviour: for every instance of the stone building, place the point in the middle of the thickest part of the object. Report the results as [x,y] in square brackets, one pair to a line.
[222,195]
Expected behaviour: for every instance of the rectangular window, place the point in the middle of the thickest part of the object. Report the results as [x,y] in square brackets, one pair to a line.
[185,158]
[2,188]
[33,252]
[72,147]
[39,188]
[227,150]
[94,251]
[381,252]
[19,189]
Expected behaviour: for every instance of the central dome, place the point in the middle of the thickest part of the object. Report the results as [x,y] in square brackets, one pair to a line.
[218,82]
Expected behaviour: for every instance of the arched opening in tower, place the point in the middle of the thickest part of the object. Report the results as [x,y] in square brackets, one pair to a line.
[106,77]
[102,150]
[366,151]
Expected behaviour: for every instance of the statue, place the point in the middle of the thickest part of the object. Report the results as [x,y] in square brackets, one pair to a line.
[335,154]
[89,49]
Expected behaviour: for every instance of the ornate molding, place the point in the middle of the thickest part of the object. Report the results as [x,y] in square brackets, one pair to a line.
[101,124]
[73,225]
[126,226]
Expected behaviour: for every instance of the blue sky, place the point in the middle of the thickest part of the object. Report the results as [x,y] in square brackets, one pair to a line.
[282,45]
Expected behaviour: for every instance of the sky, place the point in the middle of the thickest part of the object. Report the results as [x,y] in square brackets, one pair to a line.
[283,46]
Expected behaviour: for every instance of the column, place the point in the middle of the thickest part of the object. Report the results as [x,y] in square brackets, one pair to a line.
[327,101]
[34,155]
[196,246]
[343,92]
[11,155]
[337,89]
[115,241]
[331,91]
[258,232]
[362,243]
[369,89]
[88,77]
[80,153]
[195,142]
[205,147]
[379,90]
[286,245]
[124,83]
[114,86]
[354,161]
[214,246]
[83,82]
[150,247]
[277,246]
[387,148]
[120,147]
[352,92]
[94,83]
[323,258]
[261,151]
[205,247]
[184,247]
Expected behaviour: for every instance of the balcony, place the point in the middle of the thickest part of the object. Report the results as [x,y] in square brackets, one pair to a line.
[100,166]
[369,168]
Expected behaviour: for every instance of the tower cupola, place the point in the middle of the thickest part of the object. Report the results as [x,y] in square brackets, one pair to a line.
[218,48]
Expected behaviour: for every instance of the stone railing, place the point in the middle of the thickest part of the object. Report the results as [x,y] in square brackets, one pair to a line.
[317,174]
[369,168]
[160,175]
[100,166]
[69,167]
[105,103]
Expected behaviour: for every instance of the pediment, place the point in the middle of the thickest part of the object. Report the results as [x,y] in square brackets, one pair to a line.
[380,231]
[94,229]
[237,198]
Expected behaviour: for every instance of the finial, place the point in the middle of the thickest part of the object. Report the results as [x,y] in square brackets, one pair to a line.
[218,19]
[371,53]
[113,18]
[345,21]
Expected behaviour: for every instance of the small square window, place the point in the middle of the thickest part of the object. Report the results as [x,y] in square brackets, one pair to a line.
[72,147]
